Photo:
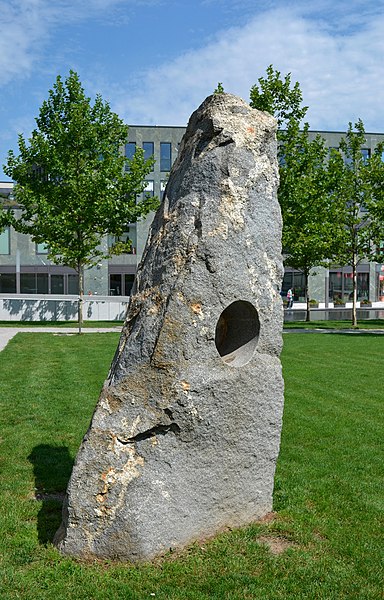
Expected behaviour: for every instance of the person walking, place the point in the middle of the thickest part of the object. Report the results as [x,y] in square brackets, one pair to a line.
[290,298]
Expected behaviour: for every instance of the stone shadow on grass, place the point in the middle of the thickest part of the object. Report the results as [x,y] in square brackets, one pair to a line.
[52,467]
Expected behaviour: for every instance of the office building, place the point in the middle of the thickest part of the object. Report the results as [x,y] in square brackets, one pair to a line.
[25,269]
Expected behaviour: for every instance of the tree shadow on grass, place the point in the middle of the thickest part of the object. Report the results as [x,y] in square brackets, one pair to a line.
[52,467]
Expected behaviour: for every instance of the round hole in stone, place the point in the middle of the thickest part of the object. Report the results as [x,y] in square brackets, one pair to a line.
[237,333]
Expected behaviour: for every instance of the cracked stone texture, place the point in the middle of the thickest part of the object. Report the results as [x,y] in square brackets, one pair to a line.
[185,436]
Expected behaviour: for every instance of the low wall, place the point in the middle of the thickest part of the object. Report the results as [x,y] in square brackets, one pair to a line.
[62,308]
[113,308]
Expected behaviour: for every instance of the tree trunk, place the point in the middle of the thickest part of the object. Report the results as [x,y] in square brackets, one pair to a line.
[80,271]
[308,310]
[354,299]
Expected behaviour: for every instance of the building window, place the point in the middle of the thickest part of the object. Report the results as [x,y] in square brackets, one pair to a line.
[120,284]
[37,282]
[165,156]
[295,281]
[148,148]
[41,249]
[42,283]
[115,284]
[332,149]
[128,236]
[365,153]
[380,286]
[73,284]
[341,286]
[130,149]
[149,189]
[28,283]
[7,283]
[4,241]
[57,284]
[128,281]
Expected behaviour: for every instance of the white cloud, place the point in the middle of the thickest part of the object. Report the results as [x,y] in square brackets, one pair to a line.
[20,37]
[334,49]
[339,69]
[28,25]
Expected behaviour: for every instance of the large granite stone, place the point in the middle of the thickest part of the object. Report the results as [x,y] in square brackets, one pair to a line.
[185,436]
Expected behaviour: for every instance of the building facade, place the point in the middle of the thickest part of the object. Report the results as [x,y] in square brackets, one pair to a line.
[25,269]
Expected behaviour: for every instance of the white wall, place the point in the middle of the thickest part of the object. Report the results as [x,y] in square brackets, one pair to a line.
[61,308]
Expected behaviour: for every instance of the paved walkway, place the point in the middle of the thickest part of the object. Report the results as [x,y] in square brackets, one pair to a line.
[372,331]
[7,333]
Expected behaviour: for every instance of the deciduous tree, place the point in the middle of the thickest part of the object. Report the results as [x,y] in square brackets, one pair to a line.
[308,219]
[73,183]
[281,99]
[358,197]
[374,176]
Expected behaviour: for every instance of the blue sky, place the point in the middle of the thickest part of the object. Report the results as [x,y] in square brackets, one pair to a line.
[156,60]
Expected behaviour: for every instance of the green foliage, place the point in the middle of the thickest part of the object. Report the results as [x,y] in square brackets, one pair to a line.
[309,219]
[219,89]
[350,191]
[309,223]
[332,209]
[309,232]
[313,302]
[355,193]
[373,176]
[276,96]
[5,215]
[71,179]
[328,479]
[4,218]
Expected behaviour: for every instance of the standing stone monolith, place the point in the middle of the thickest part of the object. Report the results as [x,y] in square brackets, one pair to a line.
[185,436]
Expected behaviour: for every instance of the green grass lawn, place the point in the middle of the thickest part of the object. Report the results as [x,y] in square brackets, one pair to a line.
[328,502]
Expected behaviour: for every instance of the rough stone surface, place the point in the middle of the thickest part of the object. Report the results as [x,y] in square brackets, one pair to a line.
[185,436]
